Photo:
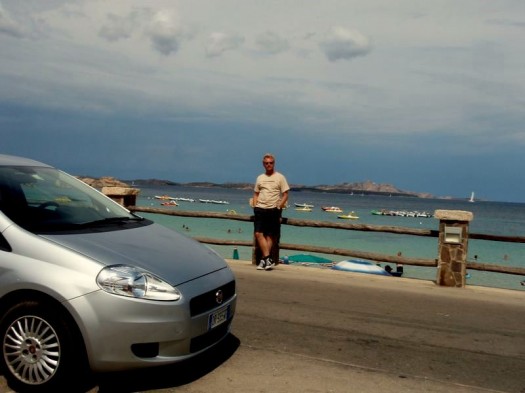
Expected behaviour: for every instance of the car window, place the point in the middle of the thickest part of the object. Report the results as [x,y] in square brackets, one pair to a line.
[57,191]
[46,198]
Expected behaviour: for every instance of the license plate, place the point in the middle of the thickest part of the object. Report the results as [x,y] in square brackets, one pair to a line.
[218,317]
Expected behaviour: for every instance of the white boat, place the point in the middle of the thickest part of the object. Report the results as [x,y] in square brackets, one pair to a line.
[220,202]
[332,209]
[402,213]
[471,197]
[217,202]
[303,205]
[184,199]
[303,209]
[360,266]
[164,197]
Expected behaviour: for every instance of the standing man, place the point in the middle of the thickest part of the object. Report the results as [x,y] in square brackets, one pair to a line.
[270,195]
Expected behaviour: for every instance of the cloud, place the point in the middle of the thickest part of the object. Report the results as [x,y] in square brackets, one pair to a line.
[276,74]
[9,26]
[161,28]
[117,27]
[165,33]
[344,44]
[218,43]
[272,43]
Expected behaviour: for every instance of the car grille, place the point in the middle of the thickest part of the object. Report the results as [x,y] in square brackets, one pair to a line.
[207,301]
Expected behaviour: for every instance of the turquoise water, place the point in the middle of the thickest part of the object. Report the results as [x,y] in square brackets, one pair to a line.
[489,218]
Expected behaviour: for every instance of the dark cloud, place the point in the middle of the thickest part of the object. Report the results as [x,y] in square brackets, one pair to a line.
[160,27]
[344,44]
[165,43]
[164,32]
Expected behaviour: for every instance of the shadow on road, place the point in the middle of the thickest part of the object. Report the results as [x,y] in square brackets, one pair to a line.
[169,376]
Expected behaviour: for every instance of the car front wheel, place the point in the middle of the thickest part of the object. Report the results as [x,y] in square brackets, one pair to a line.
[39,351]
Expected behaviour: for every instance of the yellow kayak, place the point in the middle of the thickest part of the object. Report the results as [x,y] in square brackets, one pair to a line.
[349,216]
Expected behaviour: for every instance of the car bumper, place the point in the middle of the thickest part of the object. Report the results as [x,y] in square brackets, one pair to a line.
[122,333]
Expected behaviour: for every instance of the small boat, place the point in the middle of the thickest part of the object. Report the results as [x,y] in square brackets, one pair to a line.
[170,203]
[183,199]
[217,202]
[360,266]
[349,216]
[402,213]
[303,209]
[303,205]
[332,209]
[164,197]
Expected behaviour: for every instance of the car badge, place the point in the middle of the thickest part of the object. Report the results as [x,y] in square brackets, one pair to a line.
[219,296]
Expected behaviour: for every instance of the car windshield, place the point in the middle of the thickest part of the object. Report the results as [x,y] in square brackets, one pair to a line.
[44,199]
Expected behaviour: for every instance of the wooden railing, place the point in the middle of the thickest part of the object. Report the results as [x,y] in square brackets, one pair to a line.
[399,259]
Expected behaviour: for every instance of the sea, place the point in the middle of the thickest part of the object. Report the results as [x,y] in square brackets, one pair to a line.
[495,218]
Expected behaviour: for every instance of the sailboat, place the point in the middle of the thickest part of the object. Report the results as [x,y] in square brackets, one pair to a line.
[471,197]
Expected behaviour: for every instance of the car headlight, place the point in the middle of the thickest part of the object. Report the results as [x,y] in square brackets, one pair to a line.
[134,282]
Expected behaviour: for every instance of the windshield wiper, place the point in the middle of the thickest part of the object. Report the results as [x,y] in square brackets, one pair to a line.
[137,217]
[59,226]
[110,220]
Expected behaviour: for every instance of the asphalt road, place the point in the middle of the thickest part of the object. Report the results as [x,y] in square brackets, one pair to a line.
[303,329]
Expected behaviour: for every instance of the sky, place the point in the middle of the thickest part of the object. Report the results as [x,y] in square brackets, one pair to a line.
[426,95]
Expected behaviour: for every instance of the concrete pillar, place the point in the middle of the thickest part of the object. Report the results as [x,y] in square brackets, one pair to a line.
[452,247]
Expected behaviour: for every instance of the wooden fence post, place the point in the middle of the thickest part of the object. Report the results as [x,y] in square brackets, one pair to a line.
[452,247]
[382,258]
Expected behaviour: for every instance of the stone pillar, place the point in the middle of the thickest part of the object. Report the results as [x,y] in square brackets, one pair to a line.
[453,247]
[122,195]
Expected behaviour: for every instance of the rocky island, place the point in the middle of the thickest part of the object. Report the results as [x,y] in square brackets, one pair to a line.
[366,187]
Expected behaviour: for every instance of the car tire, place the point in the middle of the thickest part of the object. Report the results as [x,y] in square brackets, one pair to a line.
[39,349]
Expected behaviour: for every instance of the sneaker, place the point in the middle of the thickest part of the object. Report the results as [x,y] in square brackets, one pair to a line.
[261,265]
[269,264]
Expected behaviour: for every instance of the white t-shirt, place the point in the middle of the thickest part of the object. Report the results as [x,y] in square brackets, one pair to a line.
[270,189]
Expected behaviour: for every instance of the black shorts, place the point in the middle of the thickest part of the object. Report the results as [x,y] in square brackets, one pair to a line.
[267,221]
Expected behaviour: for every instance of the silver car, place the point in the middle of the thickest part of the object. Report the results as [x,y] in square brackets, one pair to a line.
[87,285]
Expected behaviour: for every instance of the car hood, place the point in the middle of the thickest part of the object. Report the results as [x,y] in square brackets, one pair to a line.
[170,255]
